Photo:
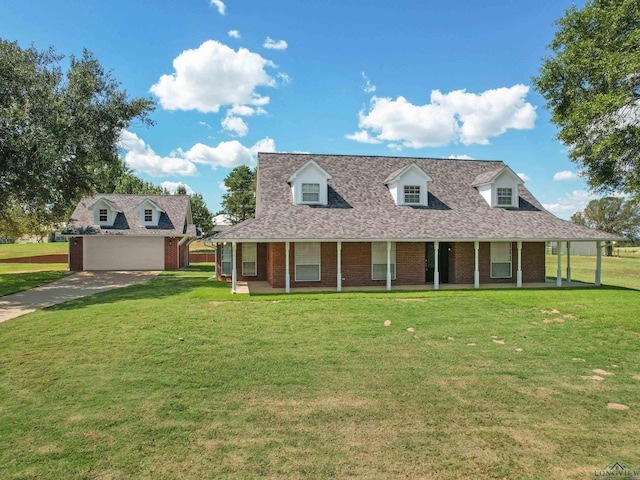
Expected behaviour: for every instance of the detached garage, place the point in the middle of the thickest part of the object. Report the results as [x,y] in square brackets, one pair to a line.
[130,232]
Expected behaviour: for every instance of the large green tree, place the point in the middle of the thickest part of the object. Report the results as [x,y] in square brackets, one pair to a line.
[239,203]
[202,216]
[58,131]
[591,83]
[613,215]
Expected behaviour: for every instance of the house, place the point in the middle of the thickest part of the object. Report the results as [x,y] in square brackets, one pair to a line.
[130,232]
[338,220]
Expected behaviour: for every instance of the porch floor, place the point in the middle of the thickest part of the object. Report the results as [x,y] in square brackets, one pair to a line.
[261,288]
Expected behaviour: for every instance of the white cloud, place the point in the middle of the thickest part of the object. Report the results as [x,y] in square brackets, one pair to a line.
[395,146]
[139,156]
[223,187]
[204,124]
[234,34]
[219,5]
[284,78]
[173,186]
[461,157]
[227,154]
[457,116]
[524,177]
[232,121]
[236,125]
[273,45]
[213,75]
[565,175]
[363,137]
[571,202]
[368,87]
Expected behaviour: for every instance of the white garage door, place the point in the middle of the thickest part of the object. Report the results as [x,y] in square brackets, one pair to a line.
[123,253]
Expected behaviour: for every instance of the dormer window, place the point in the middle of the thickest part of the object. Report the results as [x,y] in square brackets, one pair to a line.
[505,197]
[499,187]
[104,212]
[309,185]
[310,192]
[412,194]
[409,185]
[149,213]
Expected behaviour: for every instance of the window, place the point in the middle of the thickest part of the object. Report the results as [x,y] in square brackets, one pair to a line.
[148,215]
[103,215]
[379,260]
[307,261]
[501,260]
[412,194]
[249,259]
[225,263]
[505,196]
[310,192]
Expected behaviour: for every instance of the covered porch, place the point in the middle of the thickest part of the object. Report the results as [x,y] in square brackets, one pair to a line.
[264,288]
[238,284]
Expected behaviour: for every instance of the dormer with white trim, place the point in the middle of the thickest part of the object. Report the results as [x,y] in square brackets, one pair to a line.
[309,185]
[148,213]
[104,212]
[409,186]
[499,188]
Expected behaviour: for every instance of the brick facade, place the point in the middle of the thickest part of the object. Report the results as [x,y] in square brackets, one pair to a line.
[76,254]
[410,264]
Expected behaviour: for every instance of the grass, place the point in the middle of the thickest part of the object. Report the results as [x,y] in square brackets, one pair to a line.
[315,386]
[618,271]
[15,250]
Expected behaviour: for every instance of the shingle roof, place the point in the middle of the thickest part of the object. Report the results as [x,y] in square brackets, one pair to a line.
[172,221]
[361,207]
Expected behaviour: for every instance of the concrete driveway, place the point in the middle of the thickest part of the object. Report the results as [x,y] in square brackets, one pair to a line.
[69,288]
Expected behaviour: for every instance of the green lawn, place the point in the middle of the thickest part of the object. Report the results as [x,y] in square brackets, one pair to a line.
[315,386]
[15,250]
[618,271]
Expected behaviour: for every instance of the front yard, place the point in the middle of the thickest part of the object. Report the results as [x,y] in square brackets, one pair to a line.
[461,384]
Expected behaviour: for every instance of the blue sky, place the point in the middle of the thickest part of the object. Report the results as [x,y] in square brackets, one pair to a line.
[369,77]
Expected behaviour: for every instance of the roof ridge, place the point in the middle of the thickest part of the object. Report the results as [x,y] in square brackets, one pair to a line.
[380,156]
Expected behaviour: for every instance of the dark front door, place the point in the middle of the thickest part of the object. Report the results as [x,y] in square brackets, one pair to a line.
[430,262]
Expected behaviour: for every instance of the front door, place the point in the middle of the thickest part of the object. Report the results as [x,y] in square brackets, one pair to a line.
[430,262]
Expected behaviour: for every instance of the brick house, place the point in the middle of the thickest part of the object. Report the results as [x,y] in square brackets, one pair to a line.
[130,232]
[335,220]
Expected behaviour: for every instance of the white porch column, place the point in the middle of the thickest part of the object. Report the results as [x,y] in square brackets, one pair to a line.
[287,276]
[519,274]
[598,262]
[559,271]
[388,265]
[568,262]
[339,279]
[234,274]
[436,266]
[476,272]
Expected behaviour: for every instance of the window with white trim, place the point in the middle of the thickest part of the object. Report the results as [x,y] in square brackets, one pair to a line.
[307,261]
[148,215]
[505,197]
[226,261]
[501,260]
[103,215]
[379,260]
[249,259]
[310,192]
[412,194]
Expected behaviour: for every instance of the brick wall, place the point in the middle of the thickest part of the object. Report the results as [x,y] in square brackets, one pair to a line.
[171,253]
[533,263]
[76,255]
[261,264]
[197,257]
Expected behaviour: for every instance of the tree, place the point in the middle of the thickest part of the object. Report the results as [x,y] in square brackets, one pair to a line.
[612,215]
[592,87]
[239,203]
[58,132]
[202,216]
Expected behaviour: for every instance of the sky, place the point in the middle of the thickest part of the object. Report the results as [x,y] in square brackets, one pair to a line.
[411,78]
